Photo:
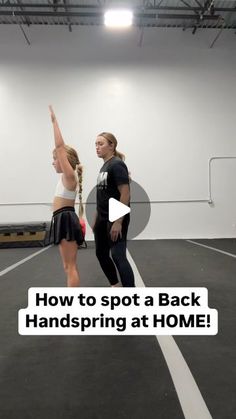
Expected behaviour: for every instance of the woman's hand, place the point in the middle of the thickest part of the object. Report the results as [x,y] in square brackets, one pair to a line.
[94,222]
[116,230]
[53,116]
[93,227]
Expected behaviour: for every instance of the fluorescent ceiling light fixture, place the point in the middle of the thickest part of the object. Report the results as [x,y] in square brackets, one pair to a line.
[118,18]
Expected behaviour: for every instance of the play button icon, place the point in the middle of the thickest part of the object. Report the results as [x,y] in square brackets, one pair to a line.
[140,209]
[116,209]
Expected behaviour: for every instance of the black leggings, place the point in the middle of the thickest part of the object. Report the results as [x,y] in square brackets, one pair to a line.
[105,246]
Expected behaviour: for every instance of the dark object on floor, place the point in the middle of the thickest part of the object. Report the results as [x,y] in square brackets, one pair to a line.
[24,235]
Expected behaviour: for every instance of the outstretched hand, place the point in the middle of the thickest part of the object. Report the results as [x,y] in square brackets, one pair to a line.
[53,116]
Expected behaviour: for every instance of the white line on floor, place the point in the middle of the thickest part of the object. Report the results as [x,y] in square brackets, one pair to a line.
[10,268]
[212,248]
[191,400]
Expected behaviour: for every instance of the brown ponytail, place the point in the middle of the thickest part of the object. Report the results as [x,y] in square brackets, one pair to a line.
[119,154]
[112,140]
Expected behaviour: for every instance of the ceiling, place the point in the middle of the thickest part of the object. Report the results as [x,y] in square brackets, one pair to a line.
[185,14]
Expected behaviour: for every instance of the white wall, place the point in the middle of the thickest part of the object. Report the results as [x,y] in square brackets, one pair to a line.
[170,102]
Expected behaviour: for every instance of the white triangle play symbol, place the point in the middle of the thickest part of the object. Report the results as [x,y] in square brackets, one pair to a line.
[117,209]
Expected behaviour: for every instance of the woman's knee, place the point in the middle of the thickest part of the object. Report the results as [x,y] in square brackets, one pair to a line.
[69,267]
[101,255]
[118,254]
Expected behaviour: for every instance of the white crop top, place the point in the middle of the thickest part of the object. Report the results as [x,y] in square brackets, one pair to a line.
[63,192]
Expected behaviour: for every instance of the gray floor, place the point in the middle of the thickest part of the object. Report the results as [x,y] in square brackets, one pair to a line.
[101,377]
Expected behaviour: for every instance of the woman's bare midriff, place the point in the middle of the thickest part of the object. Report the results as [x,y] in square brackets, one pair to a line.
[62,202]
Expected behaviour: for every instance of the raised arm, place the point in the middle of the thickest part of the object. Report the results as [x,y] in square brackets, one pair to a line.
[60,148]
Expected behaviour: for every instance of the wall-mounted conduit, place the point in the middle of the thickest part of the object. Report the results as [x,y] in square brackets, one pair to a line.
[209,200]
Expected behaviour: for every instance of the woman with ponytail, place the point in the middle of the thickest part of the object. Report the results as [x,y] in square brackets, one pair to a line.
[67,232]
[110,238]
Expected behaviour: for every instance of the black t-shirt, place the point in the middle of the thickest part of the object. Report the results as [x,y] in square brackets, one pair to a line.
[113,173]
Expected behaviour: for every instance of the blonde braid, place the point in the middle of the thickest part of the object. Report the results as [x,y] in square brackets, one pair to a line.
[79,171]
[77,166]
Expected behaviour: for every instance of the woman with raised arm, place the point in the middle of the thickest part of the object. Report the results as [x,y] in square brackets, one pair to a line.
[110,237]
[66,227]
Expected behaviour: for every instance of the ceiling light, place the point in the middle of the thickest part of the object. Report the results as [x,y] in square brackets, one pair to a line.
[118,18]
